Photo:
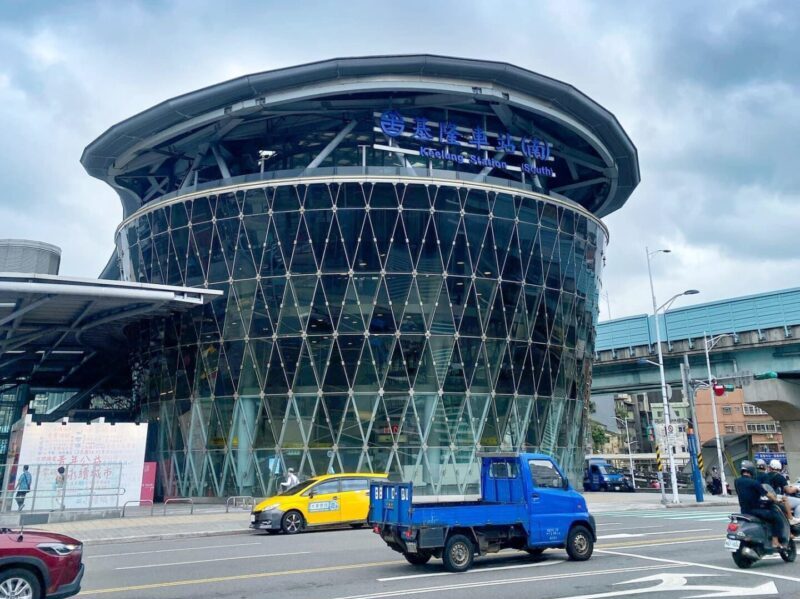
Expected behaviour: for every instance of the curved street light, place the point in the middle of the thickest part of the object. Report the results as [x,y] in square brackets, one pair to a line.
[665,402]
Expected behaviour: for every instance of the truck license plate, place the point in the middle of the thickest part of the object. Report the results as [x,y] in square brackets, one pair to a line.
[411,547]
[732,544]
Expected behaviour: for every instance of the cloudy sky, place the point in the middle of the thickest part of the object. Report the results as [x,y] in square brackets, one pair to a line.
[708,91]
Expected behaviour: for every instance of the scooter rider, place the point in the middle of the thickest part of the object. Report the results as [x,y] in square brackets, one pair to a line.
[778,481]
[750,493]
[761,466]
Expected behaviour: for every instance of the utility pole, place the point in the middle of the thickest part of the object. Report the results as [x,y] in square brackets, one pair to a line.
[692,438]
[708,344]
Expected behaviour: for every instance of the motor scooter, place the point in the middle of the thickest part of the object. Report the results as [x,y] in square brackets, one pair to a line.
[750,539]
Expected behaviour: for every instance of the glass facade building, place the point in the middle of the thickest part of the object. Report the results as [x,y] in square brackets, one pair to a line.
[410,273]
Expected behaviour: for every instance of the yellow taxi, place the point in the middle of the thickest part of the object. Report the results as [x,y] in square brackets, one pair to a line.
[320,501]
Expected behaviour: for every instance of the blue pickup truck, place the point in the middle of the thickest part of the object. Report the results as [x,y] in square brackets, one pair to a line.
[602,476]
[526,503]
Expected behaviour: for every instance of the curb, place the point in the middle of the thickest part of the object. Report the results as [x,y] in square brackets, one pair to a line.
[165,537]
[678,506]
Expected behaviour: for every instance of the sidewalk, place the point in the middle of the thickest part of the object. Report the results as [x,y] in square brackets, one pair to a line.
[613,502]
[152,528]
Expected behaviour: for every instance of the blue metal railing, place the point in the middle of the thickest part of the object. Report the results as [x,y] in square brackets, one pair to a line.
[775,309]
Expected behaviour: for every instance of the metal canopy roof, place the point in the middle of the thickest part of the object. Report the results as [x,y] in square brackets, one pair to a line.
[148,137]
[51,326]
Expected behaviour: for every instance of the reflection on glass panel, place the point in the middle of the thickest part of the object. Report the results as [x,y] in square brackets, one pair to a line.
[380,328]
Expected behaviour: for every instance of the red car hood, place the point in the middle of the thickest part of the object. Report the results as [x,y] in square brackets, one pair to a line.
[34,537]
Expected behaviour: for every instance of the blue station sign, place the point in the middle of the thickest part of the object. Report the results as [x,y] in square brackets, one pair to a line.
[445,140]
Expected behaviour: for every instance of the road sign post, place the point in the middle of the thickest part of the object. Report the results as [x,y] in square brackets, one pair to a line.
[693,442]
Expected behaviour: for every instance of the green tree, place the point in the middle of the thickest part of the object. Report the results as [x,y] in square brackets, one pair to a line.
[599,437]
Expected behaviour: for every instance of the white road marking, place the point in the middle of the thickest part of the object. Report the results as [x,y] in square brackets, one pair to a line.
[628,527]
[503,581]
[708,566]
[476,570]
[168,550]
[631,535]
[671,581]
[637,545]
[207,561]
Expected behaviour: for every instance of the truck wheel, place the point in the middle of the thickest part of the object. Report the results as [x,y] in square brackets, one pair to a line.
[458,554]
[418,559]
[292,522]
[579,544]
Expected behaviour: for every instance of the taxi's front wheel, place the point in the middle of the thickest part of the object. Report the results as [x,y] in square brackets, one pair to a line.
[292,522]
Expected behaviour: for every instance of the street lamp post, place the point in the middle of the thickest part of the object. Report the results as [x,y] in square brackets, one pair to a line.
[664,400]
[708,344]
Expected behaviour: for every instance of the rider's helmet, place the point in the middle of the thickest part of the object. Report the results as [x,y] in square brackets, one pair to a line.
[748,466]
[761,464]
[776,465]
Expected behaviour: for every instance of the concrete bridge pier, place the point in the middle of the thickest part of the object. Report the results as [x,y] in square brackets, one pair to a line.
[780,398]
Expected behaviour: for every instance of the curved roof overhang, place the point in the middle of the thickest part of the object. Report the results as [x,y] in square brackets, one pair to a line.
[215,110]
[52,326]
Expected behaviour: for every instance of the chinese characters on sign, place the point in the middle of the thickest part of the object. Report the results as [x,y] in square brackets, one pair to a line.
[99,460]
[394,125]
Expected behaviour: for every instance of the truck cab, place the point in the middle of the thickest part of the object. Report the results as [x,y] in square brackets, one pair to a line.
[526,504]
[602,476]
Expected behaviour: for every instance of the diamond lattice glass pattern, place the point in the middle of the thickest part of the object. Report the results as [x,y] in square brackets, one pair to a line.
[366,326]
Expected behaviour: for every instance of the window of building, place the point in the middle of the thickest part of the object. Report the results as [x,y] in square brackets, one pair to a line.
[730,428]
[751,410]
[765,427]
[726,410]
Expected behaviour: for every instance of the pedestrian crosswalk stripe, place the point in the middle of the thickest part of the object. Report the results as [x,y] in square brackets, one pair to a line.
[700,516]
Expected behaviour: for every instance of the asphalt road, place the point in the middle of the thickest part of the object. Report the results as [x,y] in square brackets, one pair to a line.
[659,553]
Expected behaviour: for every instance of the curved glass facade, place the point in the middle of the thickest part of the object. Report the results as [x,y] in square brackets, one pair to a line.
[366,326]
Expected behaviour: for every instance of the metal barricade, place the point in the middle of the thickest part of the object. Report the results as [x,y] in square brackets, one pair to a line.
[140,502]
[182,500]
[50,501]
[57,486]
[247,501]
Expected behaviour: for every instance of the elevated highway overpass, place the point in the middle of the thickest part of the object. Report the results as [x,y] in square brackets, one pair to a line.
[763,335]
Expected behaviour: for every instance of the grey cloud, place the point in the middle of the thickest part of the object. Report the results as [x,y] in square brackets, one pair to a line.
[707,91]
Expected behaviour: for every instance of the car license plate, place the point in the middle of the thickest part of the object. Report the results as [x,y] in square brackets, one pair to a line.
[732,544]
[252,518]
